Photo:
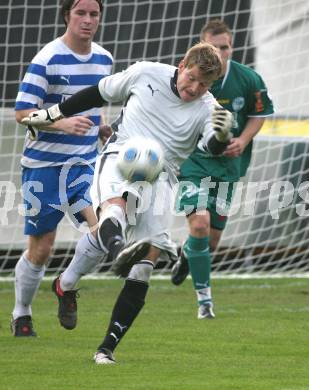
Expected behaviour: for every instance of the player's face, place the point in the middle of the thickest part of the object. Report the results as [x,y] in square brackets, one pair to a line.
[223,43]
[83,19]
[191,84]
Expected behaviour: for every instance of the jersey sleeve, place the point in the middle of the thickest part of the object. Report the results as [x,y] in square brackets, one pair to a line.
[33,88]
[119,86]
[260,102]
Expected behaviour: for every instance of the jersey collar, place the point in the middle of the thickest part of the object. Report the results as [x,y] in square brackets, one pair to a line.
[228,66]
[173,83]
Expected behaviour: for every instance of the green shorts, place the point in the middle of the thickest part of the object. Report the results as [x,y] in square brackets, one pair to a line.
[208,193]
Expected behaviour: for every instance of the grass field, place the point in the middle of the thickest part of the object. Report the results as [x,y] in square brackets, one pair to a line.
[259,340]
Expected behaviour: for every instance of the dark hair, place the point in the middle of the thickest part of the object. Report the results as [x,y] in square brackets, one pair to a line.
[67,5]
[215,27]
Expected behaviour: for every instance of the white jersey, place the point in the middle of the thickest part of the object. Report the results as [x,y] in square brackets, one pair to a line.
[55,74]
[154,110]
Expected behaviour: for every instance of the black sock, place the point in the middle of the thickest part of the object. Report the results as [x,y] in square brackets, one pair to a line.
[129,303]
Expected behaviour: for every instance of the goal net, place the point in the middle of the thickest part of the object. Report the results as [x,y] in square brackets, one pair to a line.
[268,229]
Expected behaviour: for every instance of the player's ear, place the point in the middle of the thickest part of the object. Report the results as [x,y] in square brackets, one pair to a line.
[181,65]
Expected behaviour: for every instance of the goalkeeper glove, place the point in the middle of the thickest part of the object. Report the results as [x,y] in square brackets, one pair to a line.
[42,118]
[216,136]
[222,122]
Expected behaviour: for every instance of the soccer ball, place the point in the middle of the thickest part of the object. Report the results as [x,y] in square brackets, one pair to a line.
[140,159]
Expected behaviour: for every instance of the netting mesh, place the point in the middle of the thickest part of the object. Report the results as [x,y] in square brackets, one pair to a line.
[268,231]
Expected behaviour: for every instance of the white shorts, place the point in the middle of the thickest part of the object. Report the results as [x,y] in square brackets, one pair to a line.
[149,206]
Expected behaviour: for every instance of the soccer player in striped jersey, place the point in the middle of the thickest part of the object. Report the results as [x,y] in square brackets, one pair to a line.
[59,154]
[243,92]
[172,106]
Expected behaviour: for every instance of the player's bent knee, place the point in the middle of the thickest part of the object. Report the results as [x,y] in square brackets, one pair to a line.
[113,211]
[199,225]
[153,254]
[40,254]
[40,248]
[112,223]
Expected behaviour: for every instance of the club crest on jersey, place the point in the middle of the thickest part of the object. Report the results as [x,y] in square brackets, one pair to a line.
[238,103]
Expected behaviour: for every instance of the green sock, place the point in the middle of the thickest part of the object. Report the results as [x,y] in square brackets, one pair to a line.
[199,259]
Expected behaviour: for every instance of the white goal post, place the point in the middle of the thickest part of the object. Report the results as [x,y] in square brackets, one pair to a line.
[268,230]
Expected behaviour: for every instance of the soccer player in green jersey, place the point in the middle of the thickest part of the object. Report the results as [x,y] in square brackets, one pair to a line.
[243,92]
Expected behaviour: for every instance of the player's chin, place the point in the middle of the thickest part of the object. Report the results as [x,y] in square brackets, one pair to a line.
[89,34]
[186,97]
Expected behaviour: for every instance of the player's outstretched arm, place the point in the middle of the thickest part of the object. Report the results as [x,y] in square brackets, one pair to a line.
[222,122]
[81,101]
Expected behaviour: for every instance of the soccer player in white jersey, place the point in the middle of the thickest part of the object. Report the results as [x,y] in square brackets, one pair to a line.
[164,103]
[63,67]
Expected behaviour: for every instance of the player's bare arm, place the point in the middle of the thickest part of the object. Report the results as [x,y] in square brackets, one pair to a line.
[75,125]
[238,144]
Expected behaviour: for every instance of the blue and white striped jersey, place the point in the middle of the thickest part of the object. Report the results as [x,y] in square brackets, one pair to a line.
[55,74]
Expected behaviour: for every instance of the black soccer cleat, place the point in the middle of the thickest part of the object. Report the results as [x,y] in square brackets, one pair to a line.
[128,256]
[180,270]
[22,327]
[67,309]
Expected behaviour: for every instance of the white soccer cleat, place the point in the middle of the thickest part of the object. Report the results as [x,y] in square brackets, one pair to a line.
[101,357]
[206,311]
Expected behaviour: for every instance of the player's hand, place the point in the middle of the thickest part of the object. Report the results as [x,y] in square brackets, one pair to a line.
[105,131]
[235,148]
[42,118]
[222,121]
[75,125]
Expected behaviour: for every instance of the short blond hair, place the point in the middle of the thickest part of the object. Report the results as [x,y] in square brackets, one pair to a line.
[207,58]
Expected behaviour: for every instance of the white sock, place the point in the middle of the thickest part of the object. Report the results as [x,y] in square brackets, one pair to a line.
[87,256]
[141,271]
[203,295]
[28,277]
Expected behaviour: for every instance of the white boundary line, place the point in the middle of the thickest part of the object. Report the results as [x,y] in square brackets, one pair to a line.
[167,277]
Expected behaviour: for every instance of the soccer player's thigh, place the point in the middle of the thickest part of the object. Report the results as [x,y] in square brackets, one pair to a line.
[154,219]
[108,183]
[188,196]
[41,195]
